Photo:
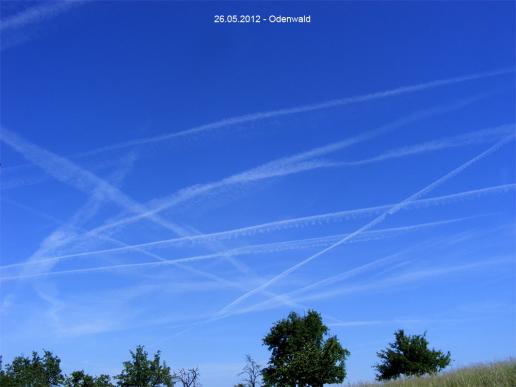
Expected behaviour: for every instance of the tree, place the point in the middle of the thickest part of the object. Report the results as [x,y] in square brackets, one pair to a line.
[251,372]
[142,372]
[81,379]
[301,356]
[410,356]
[36,371]
[5,380]
[189,377]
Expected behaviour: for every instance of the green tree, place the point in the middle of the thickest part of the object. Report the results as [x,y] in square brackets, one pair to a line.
[301,356]
[35,371]
[410,356]
[140,371]
[5,380]
[81,379]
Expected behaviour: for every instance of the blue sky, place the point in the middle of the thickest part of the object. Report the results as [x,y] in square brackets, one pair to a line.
[181,184]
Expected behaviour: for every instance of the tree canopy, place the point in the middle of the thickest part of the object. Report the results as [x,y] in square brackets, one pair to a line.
[301,355]
[410,356]
[140,371]
[34,371]
[81,379]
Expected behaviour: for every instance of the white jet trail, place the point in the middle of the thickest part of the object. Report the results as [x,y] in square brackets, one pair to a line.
[301,109]
[394,209]
[388,282]
[411,277]
[312,220]
[9,26]
[350,273]
[475,137]
[83,180]
[24,175]
[75,176]
[327,281]
[67,230]
[36,14]
[73,227]
[243,250]
[280,167]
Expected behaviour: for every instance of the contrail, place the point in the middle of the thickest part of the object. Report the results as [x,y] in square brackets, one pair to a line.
[475,137]
[213,277]
[73,175]
[243,250]
[83,180]
[312,220]
[350,273]
[77,177]
[11,175]
[411,277]
[386,282]
[327,281]
[280,167]
[36,14]
[67,230]
[394,209]
[301,109]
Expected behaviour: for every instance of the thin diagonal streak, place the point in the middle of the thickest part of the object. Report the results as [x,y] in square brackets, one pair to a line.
[371,224]
[299,109]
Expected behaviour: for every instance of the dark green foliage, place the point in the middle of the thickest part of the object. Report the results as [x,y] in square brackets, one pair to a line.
[142,372]
[410,356]
[301,356]
[81,379]
[35,371]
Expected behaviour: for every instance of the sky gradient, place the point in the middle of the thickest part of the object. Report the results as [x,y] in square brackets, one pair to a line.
[181,184]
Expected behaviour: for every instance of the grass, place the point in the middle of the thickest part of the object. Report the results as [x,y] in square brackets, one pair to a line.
[499,374]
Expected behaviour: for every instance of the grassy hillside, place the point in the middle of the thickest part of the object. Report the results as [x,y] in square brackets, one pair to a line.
[500,374]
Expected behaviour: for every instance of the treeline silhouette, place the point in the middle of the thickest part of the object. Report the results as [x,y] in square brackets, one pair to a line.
[302,353]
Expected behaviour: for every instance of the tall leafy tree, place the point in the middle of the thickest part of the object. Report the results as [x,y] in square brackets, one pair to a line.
[35,371]
[140,371]
[81,379]
[302,354]
[410,356]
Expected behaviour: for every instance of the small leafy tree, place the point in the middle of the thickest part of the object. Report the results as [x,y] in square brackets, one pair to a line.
[81,379]
[189,377]
[251,372]
[410,356]
[35,371]
[4,379]
[301,356]
[142,372]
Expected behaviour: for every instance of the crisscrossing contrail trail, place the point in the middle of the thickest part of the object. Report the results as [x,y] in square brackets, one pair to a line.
[299,109]
[391,211]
